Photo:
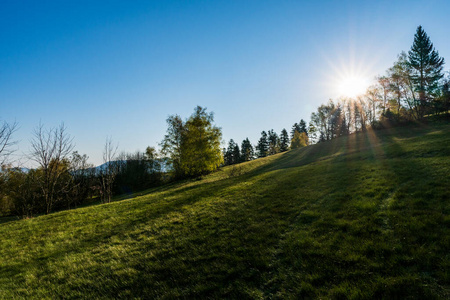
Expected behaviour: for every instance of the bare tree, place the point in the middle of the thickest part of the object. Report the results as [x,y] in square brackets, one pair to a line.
[108,170]
[6,142]
[51,149]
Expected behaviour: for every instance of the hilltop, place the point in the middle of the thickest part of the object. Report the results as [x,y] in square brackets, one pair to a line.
[361,216]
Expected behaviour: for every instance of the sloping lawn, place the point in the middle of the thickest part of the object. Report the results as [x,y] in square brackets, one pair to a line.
[363,216]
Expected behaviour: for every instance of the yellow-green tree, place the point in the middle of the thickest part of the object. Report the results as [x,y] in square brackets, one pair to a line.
[299,140]
[193,147]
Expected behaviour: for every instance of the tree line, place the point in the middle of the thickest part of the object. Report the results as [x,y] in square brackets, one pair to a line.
[269,143]
[64,179]
[414,87]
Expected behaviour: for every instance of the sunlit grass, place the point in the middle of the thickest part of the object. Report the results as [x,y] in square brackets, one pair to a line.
[363,216]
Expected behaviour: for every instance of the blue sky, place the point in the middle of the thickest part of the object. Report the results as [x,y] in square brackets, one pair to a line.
[120,68]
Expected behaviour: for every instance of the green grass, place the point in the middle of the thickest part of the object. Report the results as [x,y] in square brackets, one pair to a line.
[363,216]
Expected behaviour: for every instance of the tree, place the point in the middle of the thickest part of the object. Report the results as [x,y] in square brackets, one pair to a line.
[427,68]
[299,140]
[321,120]
[51,149]
[372,97]
[273,142]
[236,154]
[295,127]
[171,146]
[263,145]
[6,142]
[247,152]
[383,81]
[108,170]
[23,191]
[154,165]
[445,97]
[284,140]
[229,153]
[302,127]
[193,147]
[137,171]
[312,132]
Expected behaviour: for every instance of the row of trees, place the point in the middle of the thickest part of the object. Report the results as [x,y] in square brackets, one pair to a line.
[415,86]
[269,143]
[64,179]
[412,88]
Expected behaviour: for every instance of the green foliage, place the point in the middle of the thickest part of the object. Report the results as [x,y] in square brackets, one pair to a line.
[299,140]
[262,147]
[427,67]
[302,127]
[172,144]
[23,192]
[247,152]
[364,216]
[274,142]
[138,171]
[284,140]
[232,154]
[193,147]
[295,127]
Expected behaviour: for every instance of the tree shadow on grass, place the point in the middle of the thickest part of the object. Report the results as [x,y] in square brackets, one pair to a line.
[228,251]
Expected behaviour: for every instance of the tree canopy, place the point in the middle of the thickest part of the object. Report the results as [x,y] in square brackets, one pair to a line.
[193,146]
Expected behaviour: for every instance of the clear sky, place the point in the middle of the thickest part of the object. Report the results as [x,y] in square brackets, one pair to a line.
[120,68]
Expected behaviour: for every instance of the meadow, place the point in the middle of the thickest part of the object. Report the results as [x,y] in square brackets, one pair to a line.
[359,217]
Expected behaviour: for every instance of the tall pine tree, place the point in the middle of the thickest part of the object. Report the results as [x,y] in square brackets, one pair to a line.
[247,152]
[302,127]
[236,154]
[295,127]
[263,145]
[427,68]
[284,140]
[273,142]
[229,153]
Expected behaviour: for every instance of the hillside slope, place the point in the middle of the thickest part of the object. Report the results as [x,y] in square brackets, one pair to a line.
[363,216]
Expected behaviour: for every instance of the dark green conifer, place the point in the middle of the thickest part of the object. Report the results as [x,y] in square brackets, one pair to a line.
[284,140]
[426,68]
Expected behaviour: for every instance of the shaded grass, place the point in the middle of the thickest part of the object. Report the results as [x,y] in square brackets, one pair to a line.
[363,216]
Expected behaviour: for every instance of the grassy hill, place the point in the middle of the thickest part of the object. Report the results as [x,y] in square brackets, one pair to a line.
[363,216]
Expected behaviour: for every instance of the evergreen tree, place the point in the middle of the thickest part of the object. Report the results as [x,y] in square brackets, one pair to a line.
[295,127]
[273,142]
[236,154]
[302,127]
[263,145]
[427,68]
[284,140]
[228,153]
[247,152]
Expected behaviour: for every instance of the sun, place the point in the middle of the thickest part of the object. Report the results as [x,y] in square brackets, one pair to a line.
[352,86]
